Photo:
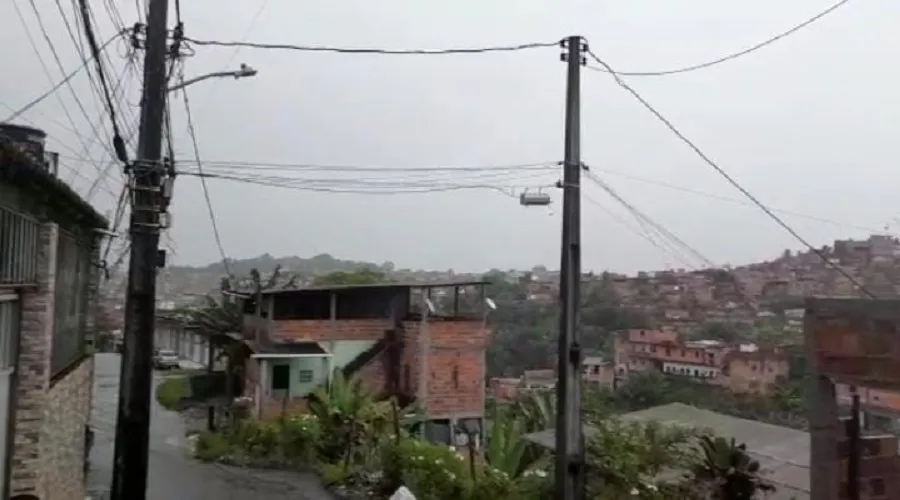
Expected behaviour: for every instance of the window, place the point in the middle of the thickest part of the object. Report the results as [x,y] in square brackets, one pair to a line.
[9,330]
[74,273]
[455,375]
[281,377]
[876,486]
[304,376]
[668,351]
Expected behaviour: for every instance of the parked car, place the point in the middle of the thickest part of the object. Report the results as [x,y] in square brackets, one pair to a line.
[165,360]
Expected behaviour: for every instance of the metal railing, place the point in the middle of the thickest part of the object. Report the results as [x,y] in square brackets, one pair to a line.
[19,238]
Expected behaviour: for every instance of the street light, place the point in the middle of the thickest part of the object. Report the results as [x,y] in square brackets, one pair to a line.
[243,72]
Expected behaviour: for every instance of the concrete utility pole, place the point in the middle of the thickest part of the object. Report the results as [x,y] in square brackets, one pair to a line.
[570,484]
[133,422]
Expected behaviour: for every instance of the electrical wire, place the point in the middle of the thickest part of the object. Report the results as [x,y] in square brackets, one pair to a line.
[728,199]
[209,206]
[778,220]
[237,50]
[384,190]
[380,51]
[669,243]
[659,228]
[642,234]
[740,53]
[540,165]
[118,141]
[53,89]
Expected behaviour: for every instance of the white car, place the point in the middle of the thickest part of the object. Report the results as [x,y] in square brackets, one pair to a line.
[165,360]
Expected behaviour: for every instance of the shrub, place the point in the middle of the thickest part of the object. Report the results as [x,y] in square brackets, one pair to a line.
[211,446]
[301,436]
[292,441]
[171,391]
[429,470]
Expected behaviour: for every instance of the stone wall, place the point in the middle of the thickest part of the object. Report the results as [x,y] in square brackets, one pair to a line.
[50,415]
[33,367]
[67,407]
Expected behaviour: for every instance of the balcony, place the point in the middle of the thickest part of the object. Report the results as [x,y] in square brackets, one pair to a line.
[19,237]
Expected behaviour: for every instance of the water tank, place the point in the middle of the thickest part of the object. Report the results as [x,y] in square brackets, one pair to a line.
[30,140]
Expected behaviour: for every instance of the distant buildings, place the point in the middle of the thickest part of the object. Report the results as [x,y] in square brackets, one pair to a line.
[739,367]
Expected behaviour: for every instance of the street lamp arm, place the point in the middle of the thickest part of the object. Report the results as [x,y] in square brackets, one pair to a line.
[244,71]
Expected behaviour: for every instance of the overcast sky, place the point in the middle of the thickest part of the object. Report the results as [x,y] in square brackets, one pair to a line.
[807,124]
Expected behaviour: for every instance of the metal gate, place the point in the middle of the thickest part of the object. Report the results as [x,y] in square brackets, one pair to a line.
[9,343]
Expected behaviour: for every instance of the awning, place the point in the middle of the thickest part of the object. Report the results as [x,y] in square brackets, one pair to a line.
[290,350]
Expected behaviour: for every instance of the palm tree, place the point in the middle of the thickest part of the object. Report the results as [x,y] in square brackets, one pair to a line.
[536,410]
[507,449]
[727,472]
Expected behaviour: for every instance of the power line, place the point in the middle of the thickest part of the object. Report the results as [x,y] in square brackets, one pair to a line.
[729,199]
[237,50]
[735,55]
[118,142]
[643,234]
[52,91]
[541,165]
[209,206]
[59,84]
[392,190]
[358,50]
[646,219]
[727,176]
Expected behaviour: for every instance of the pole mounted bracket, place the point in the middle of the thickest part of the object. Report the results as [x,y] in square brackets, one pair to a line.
[575,354]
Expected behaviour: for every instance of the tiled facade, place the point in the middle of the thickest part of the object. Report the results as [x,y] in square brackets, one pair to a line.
[51,413]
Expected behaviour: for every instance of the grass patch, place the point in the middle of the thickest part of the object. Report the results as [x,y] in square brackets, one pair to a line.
[171,391]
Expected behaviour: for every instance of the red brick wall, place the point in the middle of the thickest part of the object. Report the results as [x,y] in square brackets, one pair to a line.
[456,365]
[374,374]
[755,375]
[879,468]
[274,409]
[326,330]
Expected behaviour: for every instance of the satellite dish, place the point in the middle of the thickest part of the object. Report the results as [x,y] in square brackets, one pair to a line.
[490,303]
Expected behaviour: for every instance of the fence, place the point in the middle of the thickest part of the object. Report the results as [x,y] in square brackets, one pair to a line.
[19,237]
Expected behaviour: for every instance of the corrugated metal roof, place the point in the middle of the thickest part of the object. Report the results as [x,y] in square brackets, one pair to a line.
[386,285]
[782,453]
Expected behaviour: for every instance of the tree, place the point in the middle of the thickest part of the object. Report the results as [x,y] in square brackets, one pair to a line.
[366,276]
[726,471]
[626,458]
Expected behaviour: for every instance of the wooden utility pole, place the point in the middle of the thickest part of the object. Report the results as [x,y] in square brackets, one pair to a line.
[146,177]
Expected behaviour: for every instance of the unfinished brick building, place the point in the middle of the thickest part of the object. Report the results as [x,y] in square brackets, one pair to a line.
[853,342]
[389,335]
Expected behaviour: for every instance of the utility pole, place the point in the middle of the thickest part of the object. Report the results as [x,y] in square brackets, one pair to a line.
[136,380]
[569,432]
[855,451]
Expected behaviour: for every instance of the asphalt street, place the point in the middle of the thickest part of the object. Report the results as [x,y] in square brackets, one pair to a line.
[173,474]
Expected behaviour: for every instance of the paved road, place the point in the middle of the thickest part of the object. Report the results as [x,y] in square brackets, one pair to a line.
[173,474]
